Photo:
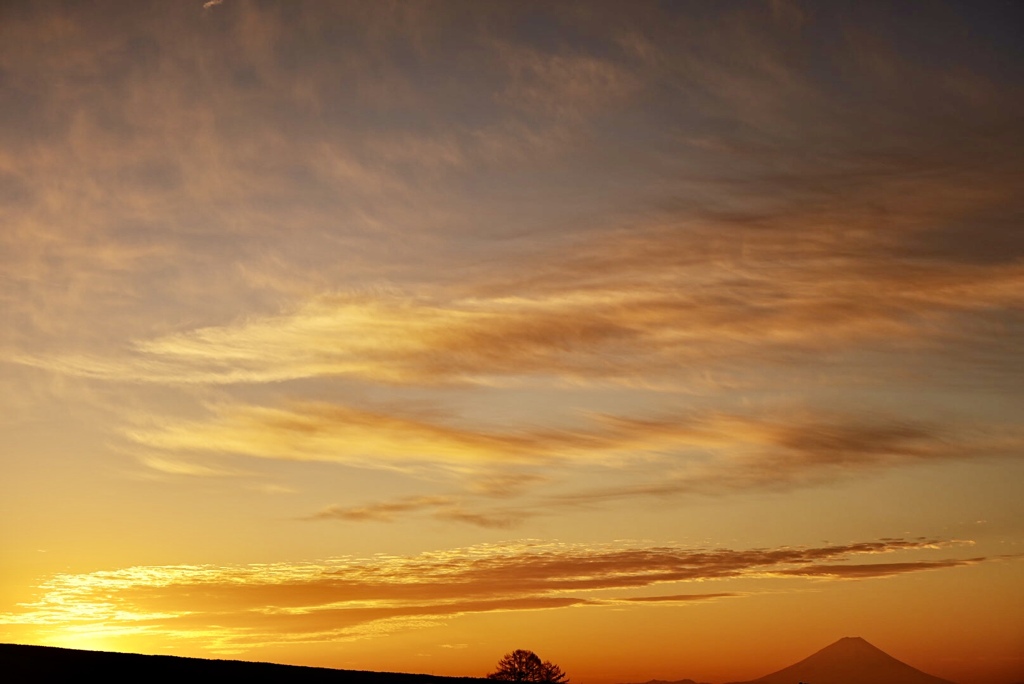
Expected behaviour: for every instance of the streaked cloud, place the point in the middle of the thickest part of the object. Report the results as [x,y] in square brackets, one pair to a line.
[383,511]
[678,598]
[179,467]
[633,307]
[237,606]
[346,434]
[570,86]
[701,451]
[877,570]
[449,508]
[781,227]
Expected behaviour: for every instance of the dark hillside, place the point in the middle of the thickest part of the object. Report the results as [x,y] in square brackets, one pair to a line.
[42,663]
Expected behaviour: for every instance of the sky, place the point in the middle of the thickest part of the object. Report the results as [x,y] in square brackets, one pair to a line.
[664,339]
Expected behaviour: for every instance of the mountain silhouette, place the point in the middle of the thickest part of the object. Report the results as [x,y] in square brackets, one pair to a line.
[851,660]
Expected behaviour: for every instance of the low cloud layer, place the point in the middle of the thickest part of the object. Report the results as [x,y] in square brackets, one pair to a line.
[240,606]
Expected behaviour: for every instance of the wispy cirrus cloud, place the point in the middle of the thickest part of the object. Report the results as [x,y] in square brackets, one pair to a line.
[743,136]
[697,455]
[677,598]
[567,86]
[755,447]
[450,508]
[233,607]
[384,511]
[655,303]
[855,571]
[700,454]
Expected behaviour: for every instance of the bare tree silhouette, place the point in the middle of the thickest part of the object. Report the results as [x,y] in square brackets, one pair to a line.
[526,666]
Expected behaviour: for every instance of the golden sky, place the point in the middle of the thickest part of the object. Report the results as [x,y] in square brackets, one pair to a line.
[663,339]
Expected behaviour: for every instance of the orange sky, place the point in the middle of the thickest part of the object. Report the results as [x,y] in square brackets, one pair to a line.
[670,340]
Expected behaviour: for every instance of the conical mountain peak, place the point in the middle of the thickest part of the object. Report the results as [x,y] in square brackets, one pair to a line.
[851,660]
[857,647]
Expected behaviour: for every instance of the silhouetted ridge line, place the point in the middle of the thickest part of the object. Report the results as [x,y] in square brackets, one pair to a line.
[851,660]
[41,663]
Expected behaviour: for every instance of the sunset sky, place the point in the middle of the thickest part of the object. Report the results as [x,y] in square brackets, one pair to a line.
[664,339]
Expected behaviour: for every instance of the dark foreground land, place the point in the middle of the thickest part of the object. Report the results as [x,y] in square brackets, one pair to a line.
[41,663]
